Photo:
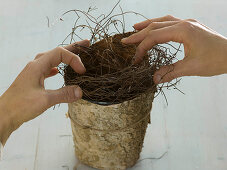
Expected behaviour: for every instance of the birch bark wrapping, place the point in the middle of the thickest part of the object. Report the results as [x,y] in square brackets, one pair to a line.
[110,137]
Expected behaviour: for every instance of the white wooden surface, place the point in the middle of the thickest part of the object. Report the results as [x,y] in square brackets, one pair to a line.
[191,130]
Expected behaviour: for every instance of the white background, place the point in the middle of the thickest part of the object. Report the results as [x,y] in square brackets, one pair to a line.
[191,130]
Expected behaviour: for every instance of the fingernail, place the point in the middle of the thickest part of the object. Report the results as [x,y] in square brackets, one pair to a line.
[78,92]
[158,79]
[83,69]
[136,58]
[124,40]
[133,60]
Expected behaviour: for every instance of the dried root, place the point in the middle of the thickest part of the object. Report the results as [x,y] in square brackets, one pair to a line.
[110,75]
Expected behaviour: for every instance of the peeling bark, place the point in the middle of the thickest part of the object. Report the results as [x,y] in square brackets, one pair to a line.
[110,137]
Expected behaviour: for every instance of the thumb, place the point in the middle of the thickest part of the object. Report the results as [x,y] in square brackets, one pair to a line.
[66,94]
[169,72]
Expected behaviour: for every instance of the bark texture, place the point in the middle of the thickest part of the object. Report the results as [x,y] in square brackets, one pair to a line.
[110,137]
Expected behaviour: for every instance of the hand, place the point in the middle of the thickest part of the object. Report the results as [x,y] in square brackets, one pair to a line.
[205,50]
[27,97]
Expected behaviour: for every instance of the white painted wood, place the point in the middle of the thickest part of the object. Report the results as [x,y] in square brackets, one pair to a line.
[191,130]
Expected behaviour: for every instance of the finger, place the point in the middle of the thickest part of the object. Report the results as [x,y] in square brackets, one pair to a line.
[144,24]
[53,72]
[163,35]
[74,48]
[170,72]
[66,94]
[39,55]
[139,36]
[54,57]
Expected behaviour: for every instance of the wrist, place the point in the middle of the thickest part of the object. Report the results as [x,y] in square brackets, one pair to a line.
[6,121]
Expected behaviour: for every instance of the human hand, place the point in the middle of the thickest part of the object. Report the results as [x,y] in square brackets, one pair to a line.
[205,50]
[27,97]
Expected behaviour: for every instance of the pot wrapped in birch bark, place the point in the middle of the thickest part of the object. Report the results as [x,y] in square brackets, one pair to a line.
[110,137]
